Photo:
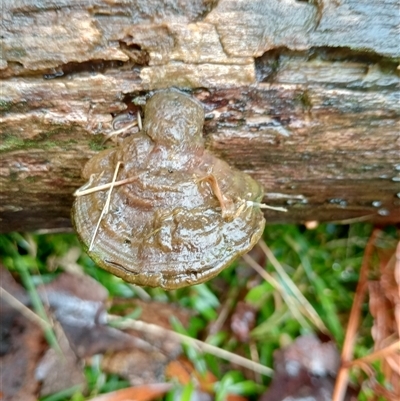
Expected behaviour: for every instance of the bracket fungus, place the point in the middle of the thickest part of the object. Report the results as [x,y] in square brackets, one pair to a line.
[159,209]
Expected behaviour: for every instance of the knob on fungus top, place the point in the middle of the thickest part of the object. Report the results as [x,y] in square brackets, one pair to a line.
[164,211]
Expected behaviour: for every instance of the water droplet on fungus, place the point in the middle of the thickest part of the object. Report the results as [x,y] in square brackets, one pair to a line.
[383,212]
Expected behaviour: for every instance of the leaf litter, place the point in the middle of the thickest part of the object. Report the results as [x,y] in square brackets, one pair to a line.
[77,308]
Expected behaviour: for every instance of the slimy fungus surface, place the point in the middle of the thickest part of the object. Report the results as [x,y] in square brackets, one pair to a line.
[160,209]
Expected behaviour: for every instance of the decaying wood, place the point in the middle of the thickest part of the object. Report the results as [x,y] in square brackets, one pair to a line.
[301,95]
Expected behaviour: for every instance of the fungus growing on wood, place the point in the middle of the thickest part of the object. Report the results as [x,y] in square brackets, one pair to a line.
[161,210]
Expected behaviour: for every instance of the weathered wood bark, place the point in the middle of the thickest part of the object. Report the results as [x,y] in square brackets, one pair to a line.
[301,95]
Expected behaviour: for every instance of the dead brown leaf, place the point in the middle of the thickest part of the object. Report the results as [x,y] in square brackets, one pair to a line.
[243,320]
[79,304]
[183,372]
[304,370]
[385,307]
[146,392]
[58,371]
[22,344]
[142,365]
[384,294]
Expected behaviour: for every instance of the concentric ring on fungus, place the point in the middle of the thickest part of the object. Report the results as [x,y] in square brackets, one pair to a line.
[168,212]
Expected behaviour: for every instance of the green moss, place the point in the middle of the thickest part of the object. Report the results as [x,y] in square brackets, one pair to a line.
[17,107]
[67,145]
[5,105]
[50,144]
[304,99]
[96,143]
[31,179]
[70,175]
[13,176]
[70,142]
[389,66]
[11,142]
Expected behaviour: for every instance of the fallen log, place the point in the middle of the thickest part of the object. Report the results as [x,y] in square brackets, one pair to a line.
[302,96]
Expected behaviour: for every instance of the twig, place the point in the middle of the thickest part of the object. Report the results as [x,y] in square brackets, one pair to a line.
[342,378]
[139,120]
[200,345]
[45,231]
[289,300]
[265,206]
[353,220]
[226,203]
[216,189]
[119,131]
[105,186]
[375,355]
[223,312]
[397,279]
[312,314]
[24,310]
[106,205]
[255,358]
[140,292]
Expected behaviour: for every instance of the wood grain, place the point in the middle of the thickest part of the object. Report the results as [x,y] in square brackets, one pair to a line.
[303,96]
